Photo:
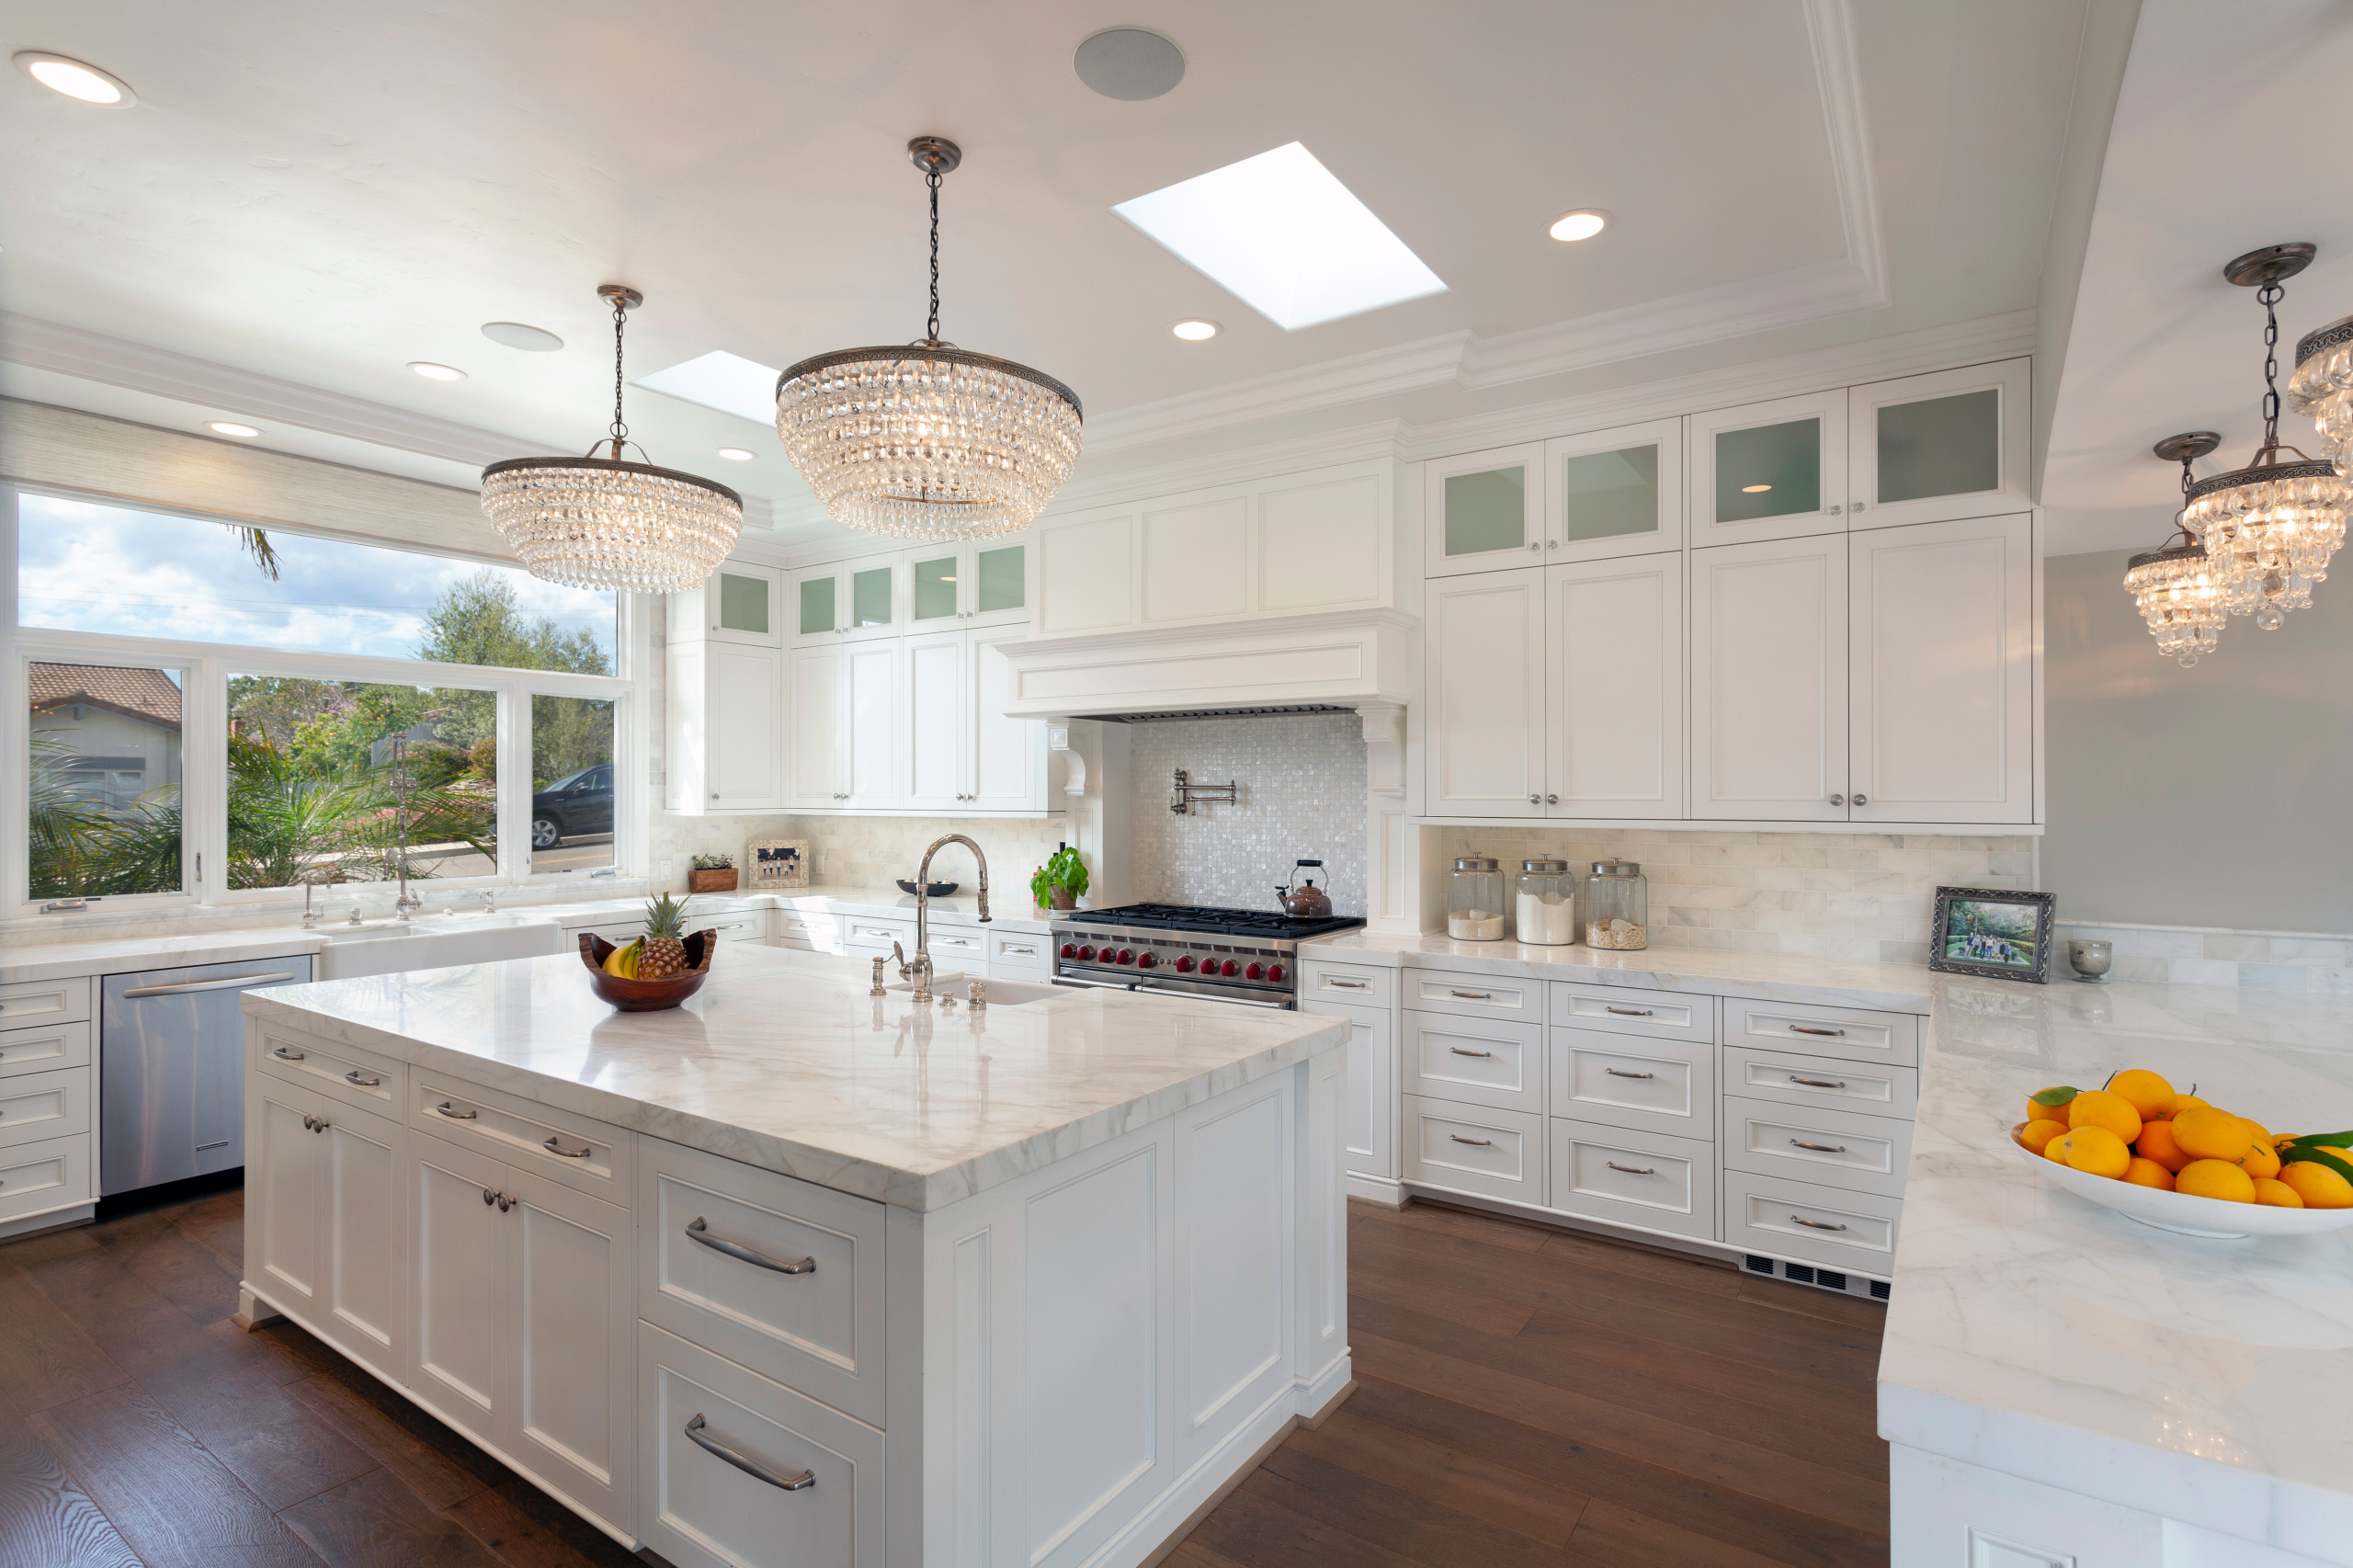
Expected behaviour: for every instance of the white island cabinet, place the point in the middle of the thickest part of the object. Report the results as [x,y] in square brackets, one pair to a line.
[799,1274]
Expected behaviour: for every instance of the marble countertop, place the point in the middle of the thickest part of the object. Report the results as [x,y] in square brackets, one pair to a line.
[60,961]
[1757,977]
[2040,1336]
[783,1061]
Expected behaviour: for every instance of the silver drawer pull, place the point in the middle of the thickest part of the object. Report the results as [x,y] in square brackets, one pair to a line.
[1346,984]
[455,1115]
[1819,1148]
[185,987]
[1809,1028]
[1630,1012]
[758,1471]
[1474,1142]
[1459,1051]
[552,1147]
[221,1145]
[1815,1224]
[1631,1170]
[1819,1082]
[355,1076]
[1473,995]
[1616,1073]
[1024,952]
[285,1055]
[700,1232]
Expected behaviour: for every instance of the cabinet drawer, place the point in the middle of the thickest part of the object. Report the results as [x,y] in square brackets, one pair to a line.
[863,933]
[52,1174]
[956,948]
[44,1050]
[42,1106]
[1866,1087]
[583,1153]
[1848,1033]
[1475,995]
[1499,1153]
[1663,1015]
[699,1510]
[1484,1062]
[1835,1148]
[1022,955]
[1634,1177]
[747,925]
[355,1077]
[1813,1224]
[1359,986]
[778,1275]
[33,1002]
[1658,1085]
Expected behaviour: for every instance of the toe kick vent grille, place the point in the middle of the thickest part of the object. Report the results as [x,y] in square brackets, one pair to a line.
[1818,1278]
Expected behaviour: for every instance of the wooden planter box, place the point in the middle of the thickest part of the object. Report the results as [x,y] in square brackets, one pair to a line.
[711,881]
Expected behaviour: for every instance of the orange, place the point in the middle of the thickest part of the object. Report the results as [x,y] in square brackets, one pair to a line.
[2261,1161]
[2095,1151]
[2097,1108]
[2055,1150]
[2155,1143]
[2277,1195]
[2148,1173]
[2205,1133]
[2182,1103]
[2049,1105]
[2148,1093]
[2215,1179]
[2035,1134]
[2319,1186]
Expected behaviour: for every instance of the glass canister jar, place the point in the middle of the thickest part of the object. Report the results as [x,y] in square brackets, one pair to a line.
[1547,902]
[1475,900]
[1616,905]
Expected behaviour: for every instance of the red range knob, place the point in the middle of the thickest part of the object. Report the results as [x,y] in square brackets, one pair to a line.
[1229,969]
[1275,973]
[1146,961]
[1255,972]
[1185,964]
[1127,955]
[1087,953]
[1070,949]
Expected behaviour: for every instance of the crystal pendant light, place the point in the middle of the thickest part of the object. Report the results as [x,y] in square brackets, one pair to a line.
[2269,528]
[929,440]
[591,522]
[2171,585]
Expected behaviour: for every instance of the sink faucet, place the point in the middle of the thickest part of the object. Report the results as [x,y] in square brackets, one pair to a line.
[922,961]
[489,901]
[400,787]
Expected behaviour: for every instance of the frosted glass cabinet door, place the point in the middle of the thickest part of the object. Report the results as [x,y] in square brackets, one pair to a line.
[1611,493]
[738,603]
[1769,681]
[1486,685]
[1769,469]
[1483,511]
[1926,448]
[1614,646]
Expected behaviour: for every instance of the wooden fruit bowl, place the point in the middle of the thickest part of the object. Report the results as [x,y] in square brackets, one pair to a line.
[648,995]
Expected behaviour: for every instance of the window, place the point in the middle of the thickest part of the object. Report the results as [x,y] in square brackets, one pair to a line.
[103,780]
[572,796]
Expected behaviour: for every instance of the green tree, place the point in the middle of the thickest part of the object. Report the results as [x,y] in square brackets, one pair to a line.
[480,621]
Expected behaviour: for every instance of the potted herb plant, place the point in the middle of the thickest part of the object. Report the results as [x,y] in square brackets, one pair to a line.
[712,873]
[1061,882]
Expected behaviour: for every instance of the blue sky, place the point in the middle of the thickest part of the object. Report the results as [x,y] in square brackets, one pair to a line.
[86,567]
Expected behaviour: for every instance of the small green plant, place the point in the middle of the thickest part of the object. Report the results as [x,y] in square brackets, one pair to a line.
[714,862]
[1062,869]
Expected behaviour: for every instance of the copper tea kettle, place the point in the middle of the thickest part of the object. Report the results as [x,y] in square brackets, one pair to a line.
[1310,903]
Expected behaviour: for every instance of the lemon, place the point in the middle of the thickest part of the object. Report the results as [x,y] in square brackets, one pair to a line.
[2097,1108]
[2095,1151]
[2276,1194]
[2148,1173]
[2148,1093]
[2049,1105]
[2215,1179]
[2319,1186]
[2261,1161]
[2156,1142]
[2182,1103]
[2205,1133]
[2035,1134]
[2055,1150]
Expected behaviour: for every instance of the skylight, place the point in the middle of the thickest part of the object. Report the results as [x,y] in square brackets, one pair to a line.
[1286,237]
[728,383]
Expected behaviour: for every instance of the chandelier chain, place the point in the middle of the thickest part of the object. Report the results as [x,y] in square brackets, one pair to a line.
[932,178]
[619,430]
[2270,295]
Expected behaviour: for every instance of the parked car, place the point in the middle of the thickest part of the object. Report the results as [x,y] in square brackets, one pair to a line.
[572,807]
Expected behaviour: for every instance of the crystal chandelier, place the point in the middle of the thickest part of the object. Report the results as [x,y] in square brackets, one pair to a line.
[2171,585]
[2269,528]
[591,522]
[929,440]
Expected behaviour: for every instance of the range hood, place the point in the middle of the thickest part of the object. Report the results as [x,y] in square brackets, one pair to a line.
[1277,710]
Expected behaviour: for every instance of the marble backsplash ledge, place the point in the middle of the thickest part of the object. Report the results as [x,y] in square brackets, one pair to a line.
[870,852]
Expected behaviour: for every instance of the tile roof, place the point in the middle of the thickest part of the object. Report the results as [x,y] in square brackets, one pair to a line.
[139,694]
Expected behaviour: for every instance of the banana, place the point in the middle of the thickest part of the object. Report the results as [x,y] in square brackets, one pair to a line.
[621,962]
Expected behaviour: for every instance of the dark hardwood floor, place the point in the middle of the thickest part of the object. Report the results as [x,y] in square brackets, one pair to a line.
[1524,1396]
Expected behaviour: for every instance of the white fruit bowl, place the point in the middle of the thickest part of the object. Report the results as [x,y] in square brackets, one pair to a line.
[2180,1213]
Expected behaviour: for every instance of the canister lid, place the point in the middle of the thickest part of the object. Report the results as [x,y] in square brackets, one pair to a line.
[1614,867]
[1477,863]
[1545,868]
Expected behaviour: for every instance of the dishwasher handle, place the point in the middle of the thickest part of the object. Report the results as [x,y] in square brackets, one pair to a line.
[227,982]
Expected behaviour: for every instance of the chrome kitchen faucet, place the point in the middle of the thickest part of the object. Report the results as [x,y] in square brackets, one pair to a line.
[922,961]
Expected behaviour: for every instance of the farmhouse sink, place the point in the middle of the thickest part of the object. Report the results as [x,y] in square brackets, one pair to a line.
[433,941]
[995,992]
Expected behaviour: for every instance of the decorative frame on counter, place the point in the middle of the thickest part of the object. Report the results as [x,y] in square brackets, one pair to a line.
[777,863]
[1961,940]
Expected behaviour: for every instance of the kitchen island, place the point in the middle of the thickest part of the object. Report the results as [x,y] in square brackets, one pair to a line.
[796,1273]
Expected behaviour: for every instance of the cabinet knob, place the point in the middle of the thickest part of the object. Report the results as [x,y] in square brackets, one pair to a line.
[1533,545]
[1858,506]
[1551,544]
[1837,799]
[1862,800]
[1535,800]
[1551,800]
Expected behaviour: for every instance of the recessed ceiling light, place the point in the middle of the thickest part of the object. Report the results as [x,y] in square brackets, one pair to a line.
[1291,240]
[1755,489]
[514,335]
[74,78]
[735,454]
[229,427]
[1581,225]
[433,372]
[1129,64]
[1195,329]
[728,383]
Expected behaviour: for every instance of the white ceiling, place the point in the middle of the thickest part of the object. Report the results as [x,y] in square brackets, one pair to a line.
[2222,141]
[304,198]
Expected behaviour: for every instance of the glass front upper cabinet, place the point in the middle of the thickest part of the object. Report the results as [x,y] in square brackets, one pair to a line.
[983,584]
[738,603]
[1483,511]
[853,599]
[1615,492]
[1769,469]
[1933,448]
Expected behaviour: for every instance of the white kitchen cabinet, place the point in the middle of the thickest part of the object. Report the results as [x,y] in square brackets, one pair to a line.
[1616,491]
[1772,470]
[1483,511]
[324,1190]
[1010,760]
[1614,677]
[738,603]
[1768,680]
[845,601]
[937,718]
[844,705]
[813,699]
[1369,1112]
[963,585]
[1941,447]
[1487,688]
[1942,672]
[722,723]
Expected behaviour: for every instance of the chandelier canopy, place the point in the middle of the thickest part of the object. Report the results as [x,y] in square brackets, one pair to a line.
[927,440]
[591,522]
[2173,586]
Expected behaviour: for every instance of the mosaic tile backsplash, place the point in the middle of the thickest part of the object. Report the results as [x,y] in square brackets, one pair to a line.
[1302,797]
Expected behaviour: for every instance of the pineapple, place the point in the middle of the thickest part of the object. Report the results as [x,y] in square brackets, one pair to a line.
[664,953]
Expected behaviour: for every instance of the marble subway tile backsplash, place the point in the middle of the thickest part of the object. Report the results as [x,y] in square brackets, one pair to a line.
[2197,956]
[870,852]
[1302,797]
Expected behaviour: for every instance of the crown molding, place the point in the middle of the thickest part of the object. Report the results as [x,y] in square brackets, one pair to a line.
[1838,77]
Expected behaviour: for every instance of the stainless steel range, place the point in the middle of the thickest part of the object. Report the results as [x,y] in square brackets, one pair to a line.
[1234,955]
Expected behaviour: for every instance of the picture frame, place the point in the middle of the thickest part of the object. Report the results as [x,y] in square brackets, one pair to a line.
[1995,933]
[771,864]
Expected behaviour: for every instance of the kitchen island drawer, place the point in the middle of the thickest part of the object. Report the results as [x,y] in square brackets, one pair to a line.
[53,1173]
[1865,1087]
[1634,1179]
[777,1274]
[1357,985]
[31,1001]
[1484,1061]
[1849,1033]
[44,1050]
[1667,1014]
[1834,1148]
[42,1106]
[378,1084]
[1474,995]
[1853,1230]
[1474,1149]
[1658,1085]
[583,1153]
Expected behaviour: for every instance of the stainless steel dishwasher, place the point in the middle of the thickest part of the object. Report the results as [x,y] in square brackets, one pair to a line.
[172,1070]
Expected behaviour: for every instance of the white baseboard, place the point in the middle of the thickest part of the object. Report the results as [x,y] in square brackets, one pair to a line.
[1377,1189]
[1715,1252]
[48,1220]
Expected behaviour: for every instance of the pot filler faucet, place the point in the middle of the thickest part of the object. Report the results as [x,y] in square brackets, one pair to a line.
[921,963]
